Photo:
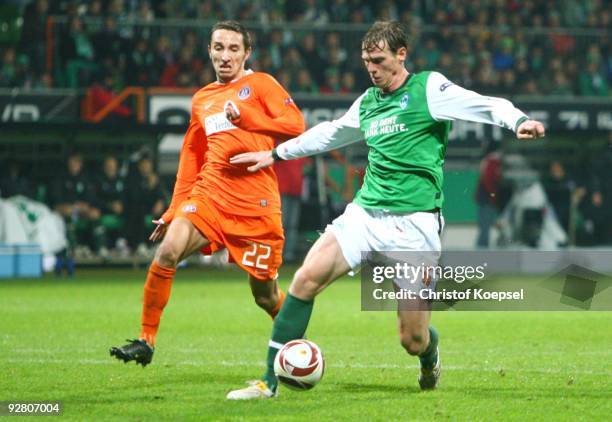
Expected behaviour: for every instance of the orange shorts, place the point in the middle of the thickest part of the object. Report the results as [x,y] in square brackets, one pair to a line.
[254,243]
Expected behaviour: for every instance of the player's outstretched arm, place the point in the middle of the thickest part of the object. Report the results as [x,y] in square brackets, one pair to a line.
[323,137]
[530,129]
[261,159]
[447,101]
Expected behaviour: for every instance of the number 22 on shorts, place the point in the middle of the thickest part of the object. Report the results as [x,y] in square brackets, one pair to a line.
[256,255]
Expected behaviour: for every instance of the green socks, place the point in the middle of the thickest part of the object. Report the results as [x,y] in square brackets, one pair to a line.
[429,357]
[290,324]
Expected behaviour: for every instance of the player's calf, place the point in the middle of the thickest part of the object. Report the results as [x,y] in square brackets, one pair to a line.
[267,295]
[267,303]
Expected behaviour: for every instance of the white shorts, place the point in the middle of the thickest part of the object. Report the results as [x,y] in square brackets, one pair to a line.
[363,231]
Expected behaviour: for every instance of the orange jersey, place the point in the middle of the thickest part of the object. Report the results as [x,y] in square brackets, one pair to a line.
[267,113]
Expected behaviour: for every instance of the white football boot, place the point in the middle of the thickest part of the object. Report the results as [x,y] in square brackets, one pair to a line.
[257,389]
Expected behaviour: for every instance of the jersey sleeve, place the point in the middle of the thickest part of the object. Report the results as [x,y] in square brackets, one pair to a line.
[325,136]
[278,115]
[191,161]
[448,101]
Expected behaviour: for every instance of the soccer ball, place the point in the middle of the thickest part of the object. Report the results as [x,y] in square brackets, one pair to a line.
[299,364]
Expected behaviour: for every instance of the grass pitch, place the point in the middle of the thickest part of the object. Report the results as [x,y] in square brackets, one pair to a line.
[55,335]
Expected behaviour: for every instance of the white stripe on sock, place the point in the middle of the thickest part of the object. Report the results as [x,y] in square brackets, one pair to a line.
[275,345]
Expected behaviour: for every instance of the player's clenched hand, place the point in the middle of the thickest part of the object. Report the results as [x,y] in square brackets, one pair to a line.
[530,129]
[160,230]
[262,159]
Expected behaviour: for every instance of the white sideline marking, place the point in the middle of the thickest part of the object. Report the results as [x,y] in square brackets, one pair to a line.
[341,365]
[489,351]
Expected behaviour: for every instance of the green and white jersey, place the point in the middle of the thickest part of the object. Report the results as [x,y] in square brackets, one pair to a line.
[406,132]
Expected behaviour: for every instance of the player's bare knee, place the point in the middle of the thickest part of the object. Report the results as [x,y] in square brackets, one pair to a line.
[304,284]
[167,255]
[414,343]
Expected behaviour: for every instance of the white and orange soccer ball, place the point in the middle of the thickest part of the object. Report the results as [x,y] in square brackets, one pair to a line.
[299,364]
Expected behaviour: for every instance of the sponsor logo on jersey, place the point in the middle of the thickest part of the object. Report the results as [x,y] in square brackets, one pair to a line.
[208,105]
[217,123]
[263,203]
[190,208]
[385,126]
[445,85]
[404,101]
[244,93]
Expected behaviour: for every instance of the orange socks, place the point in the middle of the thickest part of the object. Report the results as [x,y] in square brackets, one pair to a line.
[281,299]
[156,294]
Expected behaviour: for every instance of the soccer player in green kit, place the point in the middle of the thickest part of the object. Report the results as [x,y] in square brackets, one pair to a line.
[404,119]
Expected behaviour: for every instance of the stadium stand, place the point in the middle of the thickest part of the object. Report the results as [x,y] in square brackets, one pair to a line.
[110,51]
[503,47]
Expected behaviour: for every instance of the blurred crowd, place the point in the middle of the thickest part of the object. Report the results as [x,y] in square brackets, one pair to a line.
[107,207]
[576,192]
[505,47]
[581,199]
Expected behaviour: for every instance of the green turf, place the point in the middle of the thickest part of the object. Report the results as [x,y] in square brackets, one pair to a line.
[55,334]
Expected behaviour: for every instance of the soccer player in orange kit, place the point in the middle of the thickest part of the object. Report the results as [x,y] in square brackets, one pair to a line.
[216,204]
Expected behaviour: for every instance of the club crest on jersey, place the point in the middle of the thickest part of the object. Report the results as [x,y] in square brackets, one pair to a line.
[244,93]
[404,101]
[190,208]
